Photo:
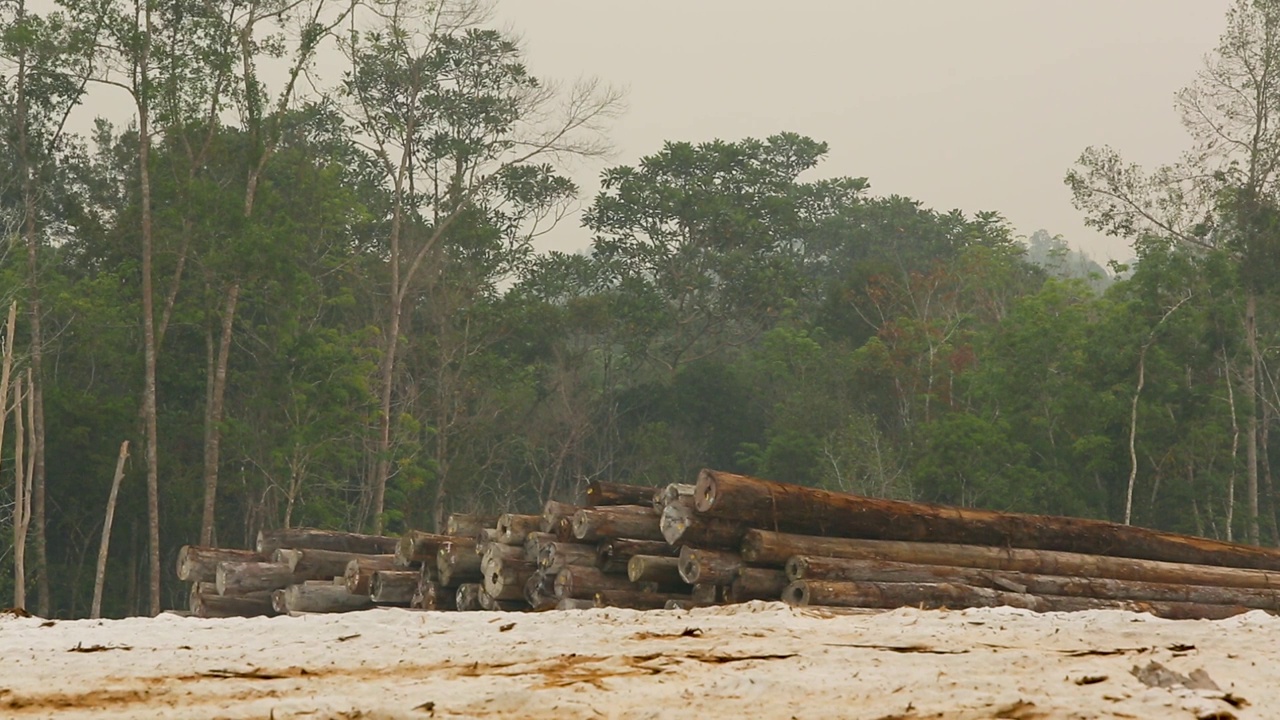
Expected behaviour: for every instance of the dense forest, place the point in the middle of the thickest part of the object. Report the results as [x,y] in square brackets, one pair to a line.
[310,293]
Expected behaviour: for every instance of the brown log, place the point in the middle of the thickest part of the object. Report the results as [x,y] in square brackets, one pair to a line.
[624,521]
[418,547]
[932,596]
[758,584]
[359,572]
[701,566]
[200,564]
[540,591]
[654,568]
[492,604]
[314,564]
[673,493]
[205,602]
[468,596]
[792,508]
[437,597]
[634,599]
[513,527]
[563,529]
[773,549]
[553,511]
[506,581]
[558,555]
[613,554]
[468,524]
[607,493]
[323,598]
[496,554]
[576,603]
[242,578]
[803,567]
[457,564]
[584,582]
[311,538]
[484,537]
[533,544]
[681,525]
[393,587]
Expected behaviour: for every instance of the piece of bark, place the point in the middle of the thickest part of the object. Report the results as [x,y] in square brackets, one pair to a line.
[638,522]
[244,577]
[634,599]
[312,538]
[613,554]
[774,549]
[932,596]
[681,525]
[514,527]
[793,508]
[323,598]
[584,582]
[553,511]
[703,566]
[758,584]
[468,524]
[359,572]
[654,568]
[675,492]
[200,564]
[393,587]
[467,598]
[558,555]
[506,581]
[456,564]
[607,493]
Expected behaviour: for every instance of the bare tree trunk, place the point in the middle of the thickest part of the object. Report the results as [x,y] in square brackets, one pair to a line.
[22,481]
[1250,382]
[21,500]
[213,417]
[100,576]
[1235,449]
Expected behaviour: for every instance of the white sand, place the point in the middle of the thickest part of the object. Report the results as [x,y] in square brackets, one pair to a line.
[761,660]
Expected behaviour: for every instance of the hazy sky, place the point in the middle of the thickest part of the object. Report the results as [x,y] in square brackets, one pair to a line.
[969,104]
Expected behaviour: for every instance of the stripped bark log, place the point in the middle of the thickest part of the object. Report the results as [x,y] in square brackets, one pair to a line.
[359,572]
[323,598]
[513,528]
[204,601]
[496,554]
[553,511]
[506,581]
[584,582]
[681,525]
[607,493]
[634,599]
[653,568]
[673,493]
[244,577]
[701,566]
[468,524]
[533,544]
[313,564]
[393,587]
[200,564]
[792,508]
[616,521]
[421,547]
[457,564]
[311,538]
[613,554]
[557,556]
[758,584]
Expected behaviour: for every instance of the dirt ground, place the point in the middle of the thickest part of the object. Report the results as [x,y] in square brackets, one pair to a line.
[759,660]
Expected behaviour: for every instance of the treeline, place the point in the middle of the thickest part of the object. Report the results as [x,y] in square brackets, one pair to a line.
[311,299]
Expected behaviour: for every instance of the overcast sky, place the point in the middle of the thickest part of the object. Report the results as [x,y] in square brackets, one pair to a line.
[969,104]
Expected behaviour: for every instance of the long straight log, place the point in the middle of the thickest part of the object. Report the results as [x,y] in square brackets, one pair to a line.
[513,527]
[607,493]
[681,525]
[506,582]
[242,578]
[839,569]
[673,493]
[359,572]
[205,602]
[467,597]
[457,564]
[584,582]
[314,564]
[312,538]
[421,547]
[468,524]
[557,556]
[701,566]
[627,521]
[613,554]
[653,568]
[322,598]
[393,587]
[773,549]
[552,511]
[932,596]
[758,584]
[792,508]
[200,564]
[496,554]
[635,599]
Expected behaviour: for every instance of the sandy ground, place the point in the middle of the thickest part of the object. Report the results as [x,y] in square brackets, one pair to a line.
[760,660]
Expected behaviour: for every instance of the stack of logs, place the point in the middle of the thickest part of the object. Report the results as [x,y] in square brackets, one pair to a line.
[731,538]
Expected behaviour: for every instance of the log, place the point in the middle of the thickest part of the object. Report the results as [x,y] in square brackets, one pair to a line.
[496,554]
[513,528]
[393,587]
[435,596]
[635,599]
[639,522]
[468,525]
[563,529]
[457,564]
[244,577]
[673,493]
[576,604]
[506,582]
[467,597]
[758,584]
[486,536]
[607,493]
[681,525]
[933,596]
[492,604]
[553,511]
[200,564]
[277,602]
[613,554]
[421,547]
[359,572]
[558,555]
[314,564]
[792,508]
[533,544]
[576,581]
[311,538]
[205,602]
[701,566]
[804,567]
[540,591]
[773,549]
[323,598]
[705,594]
[654,568]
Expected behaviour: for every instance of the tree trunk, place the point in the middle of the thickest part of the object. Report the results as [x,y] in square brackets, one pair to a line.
[506,580]
[613,554]
[791,508]
[213,418]
[758,584]
[583,582]
[774,549]
[243,577]
[417,547]
[206,603]
[681,525]
[716,567]
[540,590]
[559,555]
[458,563]
[1250,382]
[100,576]
[22,505]
[468,596]
[323,599]
[513,528]
[314,539]
[312,564]
[553,512]
[607,493]
[200,564]
[671,494]
[653,568]
[638,522]
[393,587]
